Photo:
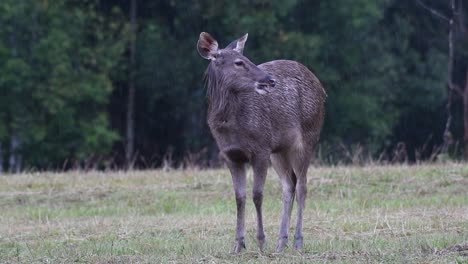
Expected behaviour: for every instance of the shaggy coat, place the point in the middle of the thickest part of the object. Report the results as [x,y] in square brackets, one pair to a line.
[257,114]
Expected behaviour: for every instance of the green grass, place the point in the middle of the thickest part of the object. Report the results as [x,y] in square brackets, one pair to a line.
[390,214]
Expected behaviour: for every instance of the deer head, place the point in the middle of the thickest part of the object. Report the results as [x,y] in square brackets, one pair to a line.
[236,71]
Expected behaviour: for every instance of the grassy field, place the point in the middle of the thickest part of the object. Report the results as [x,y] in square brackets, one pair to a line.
[389,214]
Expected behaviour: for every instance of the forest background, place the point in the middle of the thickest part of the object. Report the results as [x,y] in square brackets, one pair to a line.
[115,84]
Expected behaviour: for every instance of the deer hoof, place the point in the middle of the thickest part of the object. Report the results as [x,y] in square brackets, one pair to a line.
[282,243]
[298,243]
[261,244]
[238,247]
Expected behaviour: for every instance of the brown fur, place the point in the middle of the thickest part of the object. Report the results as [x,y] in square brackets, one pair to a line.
[273,111]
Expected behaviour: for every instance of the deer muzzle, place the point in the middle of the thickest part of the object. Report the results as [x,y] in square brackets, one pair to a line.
[263,85]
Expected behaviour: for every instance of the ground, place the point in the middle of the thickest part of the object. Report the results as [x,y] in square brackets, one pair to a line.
[386,214]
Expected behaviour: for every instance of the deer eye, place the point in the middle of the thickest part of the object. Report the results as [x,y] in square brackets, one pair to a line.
[239,63]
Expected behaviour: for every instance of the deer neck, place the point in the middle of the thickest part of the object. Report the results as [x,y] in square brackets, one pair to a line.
[223,109]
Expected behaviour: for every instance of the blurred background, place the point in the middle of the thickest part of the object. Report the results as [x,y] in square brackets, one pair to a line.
[118,83]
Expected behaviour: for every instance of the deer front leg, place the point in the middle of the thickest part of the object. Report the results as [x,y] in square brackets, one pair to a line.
[260,168]
[239,182]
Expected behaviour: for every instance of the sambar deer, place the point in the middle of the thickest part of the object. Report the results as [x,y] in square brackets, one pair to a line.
[273,111]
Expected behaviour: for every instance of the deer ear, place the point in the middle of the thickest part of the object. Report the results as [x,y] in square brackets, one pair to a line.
[238,44]
[207,46]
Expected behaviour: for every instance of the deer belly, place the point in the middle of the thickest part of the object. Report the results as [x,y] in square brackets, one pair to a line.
[235,155]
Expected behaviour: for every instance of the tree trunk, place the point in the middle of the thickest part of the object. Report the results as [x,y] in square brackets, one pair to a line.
[465,117]
[130,135]
[1,158]
[14,161]
[15,157]
[447,137]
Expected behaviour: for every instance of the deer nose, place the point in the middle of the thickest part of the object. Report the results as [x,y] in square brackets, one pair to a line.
[272,82]
[269,81]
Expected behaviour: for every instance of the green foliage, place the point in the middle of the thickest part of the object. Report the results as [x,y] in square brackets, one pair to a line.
[64,72]
[55,79]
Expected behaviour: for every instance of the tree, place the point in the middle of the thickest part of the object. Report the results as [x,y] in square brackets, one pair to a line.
[55,80]
[80,82]
[457,35]
[129,151]
[458,27]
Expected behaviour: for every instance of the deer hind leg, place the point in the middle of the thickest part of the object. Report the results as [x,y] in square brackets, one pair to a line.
[239,181]
[300,167]
[288,181]
[260,168]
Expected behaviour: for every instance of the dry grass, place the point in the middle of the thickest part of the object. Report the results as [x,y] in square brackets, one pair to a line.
[403,214]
